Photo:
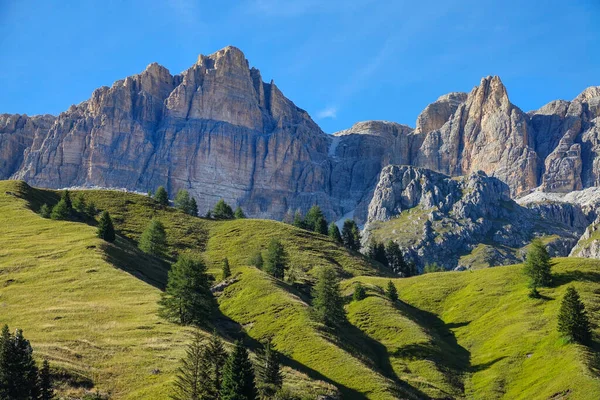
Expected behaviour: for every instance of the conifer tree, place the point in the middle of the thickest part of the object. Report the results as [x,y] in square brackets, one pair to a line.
[60,211]
[106,229]
[161,196]
[315,220]
[351,235]
[213,361]
[239,213]
[538,266]
[45,211]
[359,292]
[189,378]
[299,220]
[222,210]
[187,298]
[573,321]
[256,260]
[275,259]
[391,292]
[91,210]
[334,233]
[193,208]
[66,197]
[184,202]
[45,382]
[18,372]
[328,305]
[376,251]
[154,239]
[395,259]
[226,269]
[238,376]
[79,203]
[268,370]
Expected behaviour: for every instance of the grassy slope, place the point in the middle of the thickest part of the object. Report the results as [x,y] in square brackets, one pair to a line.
[511,343]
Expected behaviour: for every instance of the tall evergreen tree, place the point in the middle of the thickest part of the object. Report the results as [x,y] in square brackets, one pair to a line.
[391,292]
[91,210]
[334,233]
[45,211]
[66,197]
[238,376]
[213,361]
[187,298]
[395,259]
[184,202]
[45,382]
[315,220]
[79,203]
[299,220]
[60,211]
[106,229]
[328,304]
[161,196]
[193,208]
[226,271]
[18,372]
[351,235]
[256,260]
[538,266]
[189,379]
[376,251]
[222,210]
[276,259]
[359,292]
[573,321]
[268,370]
[154,239]
[239,213]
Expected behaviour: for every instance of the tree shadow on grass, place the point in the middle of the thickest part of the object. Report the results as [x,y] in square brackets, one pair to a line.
[563,278]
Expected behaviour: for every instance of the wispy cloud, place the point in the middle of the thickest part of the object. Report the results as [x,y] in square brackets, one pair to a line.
[328,112]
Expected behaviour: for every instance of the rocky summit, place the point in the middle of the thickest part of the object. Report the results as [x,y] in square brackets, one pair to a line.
[219,131]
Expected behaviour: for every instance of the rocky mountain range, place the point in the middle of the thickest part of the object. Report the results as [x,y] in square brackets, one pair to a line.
[219,131]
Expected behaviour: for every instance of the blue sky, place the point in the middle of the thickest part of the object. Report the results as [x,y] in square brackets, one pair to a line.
[342,61]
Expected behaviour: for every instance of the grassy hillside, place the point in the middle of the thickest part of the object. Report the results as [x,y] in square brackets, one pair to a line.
[502,343]
[90,307]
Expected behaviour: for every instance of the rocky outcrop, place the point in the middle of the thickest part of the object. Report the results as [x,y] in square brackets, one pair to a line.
[457,215]
[219,131]
[589,244]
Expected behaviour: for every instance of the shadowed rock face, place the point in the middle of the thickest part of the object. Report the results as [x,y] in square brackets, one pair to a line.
[219,131]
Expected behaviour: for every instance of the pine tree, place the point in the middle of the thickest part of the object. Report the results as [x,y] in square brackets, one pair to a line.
[275,260]
[256,260]
[222,210]
[189,378]
[226,269]
[351,235]
[45,382]
[299,220]
[213,361]
[79,203]
[161,196]
[183,201]
[187,298]
[193,208]
[91,210]
[315,220]
[573,321]
[538,266]
[7,362]
[238,376]
[106,229]
[391,292]
[328,305]
[18,372]
[359,292]
[376,251]
[45,211]
[154,239]
[66,197]
[395,259]
[239,213]
[334,233]
[269,372]
[60,211]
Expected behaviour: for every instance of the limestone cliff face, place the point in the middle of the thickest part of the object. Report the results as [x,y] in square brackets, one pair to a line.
[219,131]
[487,133]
